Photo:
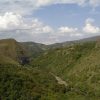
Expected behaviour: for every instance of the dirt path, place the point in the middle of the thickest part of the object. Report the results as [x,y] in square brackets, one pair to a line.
[60,81]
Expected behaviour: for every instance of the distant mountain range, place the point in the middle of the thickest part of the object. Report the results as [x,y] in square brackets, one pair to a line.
[63,44]
[12,50]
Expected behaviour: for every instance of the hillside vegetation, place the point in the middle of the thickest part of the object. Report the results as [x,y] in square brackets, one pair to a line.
[26,83]
[78,65]
[11,51]
[34,49]
[55,72]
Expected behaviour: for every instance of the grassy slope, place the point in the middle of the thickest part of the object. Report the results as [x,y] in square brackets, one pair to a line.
[7,60]
[11,51]
[85,75]
[58,60]
[79,65]
[34,49]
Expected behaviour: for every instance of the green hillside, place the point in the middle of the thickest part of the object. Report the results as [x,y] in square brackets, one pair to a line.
[11,51]
[68,43]
[61,72]
[26,83]
[78,65]
[57,60]
[34,49]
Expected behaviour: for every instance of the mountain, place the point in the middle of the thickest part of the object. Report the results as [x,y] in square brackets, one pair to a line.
[78,65]
[35,49]
[63,57]
[11,51]
[67,43]
[15,52]
[65,71]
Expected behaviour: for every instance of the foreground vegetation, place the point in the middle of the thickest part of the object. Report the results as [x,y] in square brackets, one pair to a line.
[24,83]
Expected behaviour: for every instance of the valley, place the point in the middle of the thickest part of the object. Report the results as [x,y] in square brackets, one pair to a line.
[62,71]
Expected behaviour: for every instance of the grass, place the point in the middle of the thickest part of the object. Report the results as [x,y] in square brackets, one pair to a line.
[77,64]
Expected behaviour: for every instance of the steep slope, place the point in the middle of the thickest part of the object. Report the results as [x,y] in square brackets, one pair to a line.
[78,65]
[60,59]
[11,51]
[68,72]
[34,49]
[85,75]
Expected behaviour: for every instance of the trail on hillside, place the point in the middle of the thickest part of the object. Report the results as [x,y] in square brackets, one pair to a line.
[60,81]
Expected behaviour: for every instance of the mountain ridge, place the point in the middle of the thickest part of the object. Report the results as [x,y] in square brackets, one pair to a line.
[11,49]
[70,71]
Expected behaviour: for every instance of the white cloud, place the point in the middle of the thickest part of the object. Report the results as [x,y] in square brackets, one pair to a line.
[94,3]
[48,2]
[47,29]
[90,28]
[43,2]
[10,21]
[76,34]
[14,26]
[39,27]
[89,20]
[67,29]
[68,33]
[35,30]
[25,7]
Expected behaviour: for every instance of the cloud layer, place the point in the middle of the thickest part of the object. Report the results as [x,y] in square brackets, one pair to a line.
[10,21]
[90,28]
[27,6]
[14,26]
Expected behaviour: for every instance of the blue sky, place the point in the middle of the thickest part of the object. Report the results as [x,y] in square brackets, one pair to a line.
[63,14]
[67,14]
[49,21]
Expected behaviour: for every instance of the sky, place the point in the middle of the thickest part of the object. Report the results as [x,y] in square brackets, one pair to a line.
[49,21]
